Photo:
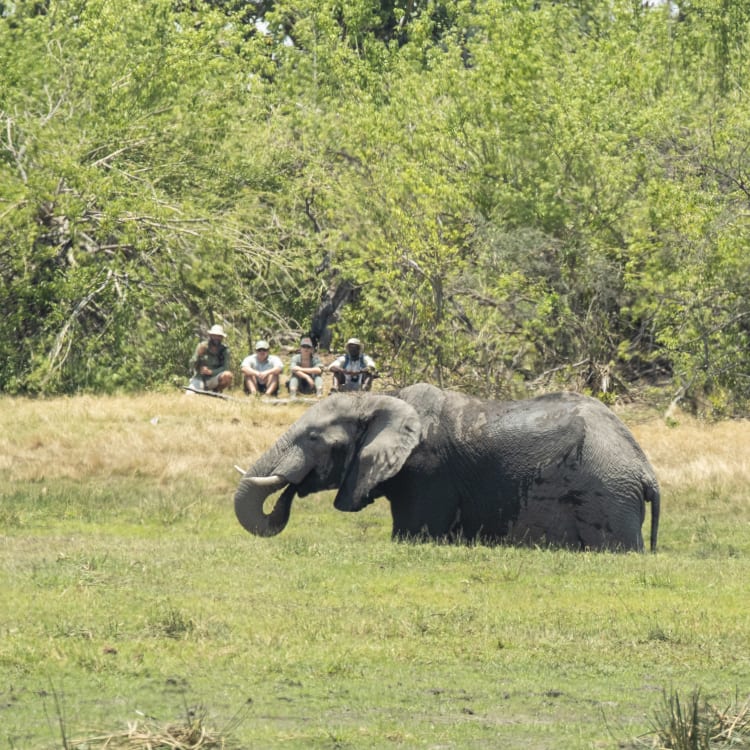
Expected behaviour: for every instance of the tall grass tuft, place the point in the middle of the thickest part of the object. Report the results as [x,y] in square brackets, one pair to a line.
[680,724]
[693,724]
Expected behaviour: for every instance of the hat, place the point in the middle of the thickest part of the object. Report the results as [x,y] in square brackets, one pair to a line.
[307,341]
[262,345]
[216,330]
[354,342]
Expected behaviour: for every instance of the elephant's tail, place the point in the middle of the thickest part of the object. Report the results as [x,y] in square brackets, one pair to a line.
[652,495]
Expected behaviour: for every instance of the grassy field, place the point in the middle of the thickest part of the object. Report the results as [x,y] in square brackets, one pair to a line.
[132,602]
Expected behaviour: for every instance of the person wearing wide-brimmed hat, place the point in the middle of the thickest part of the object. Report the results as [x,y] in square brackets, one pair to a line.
[353,371]
[306,370]
[211,363]
[261,371]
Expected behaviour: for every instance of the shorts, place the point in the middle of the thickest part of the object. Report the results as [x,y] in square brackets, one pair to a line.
[302,386]
[197,383]
[259,387]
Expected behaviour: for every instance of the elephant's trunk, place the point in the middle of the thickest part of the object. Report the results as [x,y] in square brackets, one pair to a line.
[249,500]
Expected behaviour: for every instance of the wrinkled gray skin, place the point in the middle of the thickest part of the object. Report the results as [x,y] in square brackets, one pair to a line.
[559,469]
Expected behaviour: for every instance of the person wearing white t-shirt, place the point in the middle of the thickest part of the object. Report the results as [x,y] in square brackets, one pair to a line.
[261,371]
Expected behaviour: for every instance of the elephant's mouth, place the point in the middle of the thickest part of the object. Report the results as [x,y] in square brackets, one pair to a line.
[250,498]
[296,479]
[254,491]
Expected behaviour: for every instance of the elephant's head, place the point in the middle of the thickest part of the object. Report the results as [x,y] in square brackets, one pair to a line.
[350,443]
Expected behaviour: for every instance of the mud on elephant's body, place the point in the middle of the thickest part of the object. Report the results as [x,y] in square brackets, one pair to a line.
[560,469]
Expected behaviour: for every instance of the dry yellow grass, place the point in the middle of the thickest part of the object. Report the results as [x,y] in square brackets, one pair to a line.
[191,735]
[166,436]
[162,436]
[694,453]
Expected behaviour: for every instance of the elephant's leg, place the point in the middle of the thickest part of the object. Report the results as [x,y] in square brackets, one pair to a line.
[419,519]
[607,522]
[557,529]
[546,518]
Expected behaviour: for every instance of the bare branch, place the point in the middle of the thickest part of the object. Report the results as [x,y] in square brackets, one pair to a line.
[543,376]
[57,356]
[18,152]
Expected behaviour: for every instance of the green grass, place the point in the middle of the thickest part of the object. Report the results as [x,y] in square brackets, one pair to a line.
[130,594]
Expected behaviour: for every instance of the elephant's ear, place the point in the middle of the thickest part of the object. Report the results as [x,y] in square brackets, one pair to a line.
[392,432]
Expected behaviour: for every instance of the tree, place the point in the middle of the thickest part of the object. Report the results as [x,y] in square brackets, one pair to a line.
[496,195]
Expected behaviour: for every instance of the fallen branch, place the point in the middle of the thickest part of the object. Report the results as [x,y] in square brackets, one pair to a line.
[212,394]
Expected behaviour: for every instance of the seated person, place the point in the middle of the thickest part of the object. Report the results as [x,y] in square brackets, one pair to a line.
[261,371]
[306,371]
[211,363]
[354,371]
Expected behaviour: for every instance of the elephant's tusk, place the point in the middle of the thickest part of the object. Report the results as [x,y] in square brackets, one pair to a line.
[275,480]
[242,471]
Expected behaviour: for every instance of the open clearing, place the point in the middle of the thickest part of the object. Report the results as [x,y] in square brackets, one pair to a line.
[132,598]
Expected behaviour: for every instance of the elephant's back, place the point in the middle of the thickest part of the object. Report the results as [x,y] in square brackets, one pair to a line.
[556,414]
[574,444]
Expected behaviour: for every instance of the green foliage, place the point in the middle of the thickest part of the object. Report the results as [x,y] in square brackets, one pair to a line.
[521,193]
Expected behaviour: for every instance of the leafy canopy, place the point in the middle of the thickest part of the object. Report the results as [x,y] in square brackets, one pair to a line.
[517,194]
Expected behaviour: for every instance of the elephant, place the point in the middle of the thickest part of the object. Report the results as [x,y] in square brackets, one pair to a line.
[558,470]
